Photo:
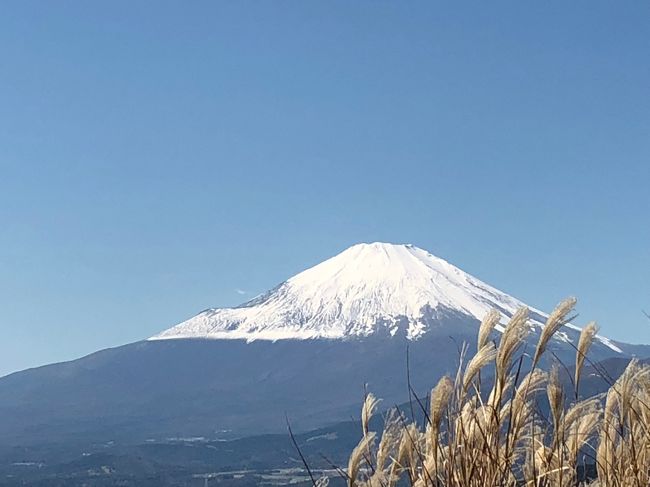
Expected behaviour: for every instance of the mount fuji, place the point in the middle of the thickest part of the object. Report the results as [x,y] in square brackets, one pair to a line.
[368,289]
[305,348]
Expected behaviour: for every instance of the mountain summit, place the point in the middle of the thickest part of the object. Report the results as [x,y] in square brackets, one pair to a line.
[366,289]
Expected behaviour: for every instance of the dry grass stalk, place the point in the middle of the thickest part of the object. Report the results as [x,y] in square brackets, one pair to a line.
[490,320]
[587,336]
[554,322]
[368,410]
[503,440]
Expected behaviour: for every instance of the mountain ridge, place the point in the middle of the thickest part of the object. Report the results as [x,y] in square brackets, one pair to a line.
[191,386]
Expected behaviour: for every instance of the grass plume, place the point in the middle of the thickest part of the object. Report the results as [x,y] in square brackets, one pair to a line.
[503,440]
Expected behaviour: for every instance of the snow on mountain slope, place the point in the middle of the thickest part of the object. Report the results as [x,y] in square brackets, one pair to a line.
[364,289]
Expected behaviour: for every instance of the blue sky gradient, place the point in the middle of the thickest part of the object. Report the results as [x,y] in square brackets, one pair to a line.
[158,158]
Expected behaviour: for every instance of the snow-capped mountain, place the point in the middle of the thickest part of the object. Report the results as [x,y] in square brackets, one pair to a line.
[306,348]
[364,290]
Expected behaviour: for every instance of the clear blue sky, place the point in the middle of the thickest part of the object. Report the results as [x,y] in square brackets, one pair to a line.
[156,157]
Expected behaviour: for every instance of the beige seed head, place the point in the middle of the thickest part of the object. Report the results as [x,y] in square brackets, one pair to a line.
[490,320]
[484,356]
[368,410]
[587,336]
[555,321]
[512,337]
[356,457]
[440,396]
[555,396]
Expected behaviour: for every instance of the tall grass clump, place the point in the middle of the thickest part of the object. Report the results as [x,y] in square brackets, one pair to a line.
[499,437]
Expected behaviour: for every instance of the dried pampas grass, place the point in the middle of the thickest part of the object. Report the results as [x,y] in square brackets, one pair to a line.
[504,440]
